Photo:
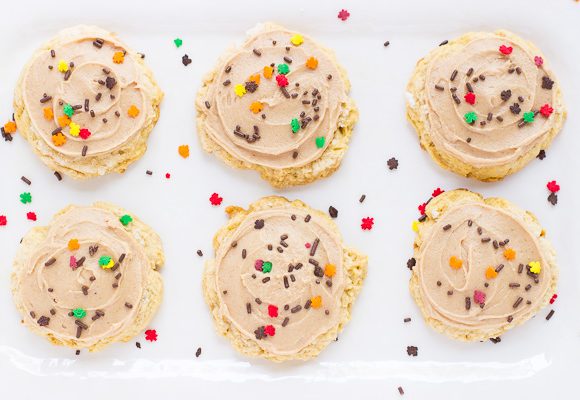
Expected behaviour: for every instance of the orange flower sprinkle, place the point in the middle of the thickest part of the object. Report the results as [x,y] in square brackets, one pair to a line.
[330,270]
[10,127]
[133,111]
[455,262]
[256,107]
[73,244]
[312,63]
[268,71]
[59,139]
[118,57]
[48,114]
[63,121]
[183,150]
[490,273]
[509,254]
[255,78]
[316,302]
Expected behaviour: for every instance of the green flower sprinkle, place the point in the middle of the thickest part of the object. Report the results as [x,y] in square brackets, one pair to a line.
[529,116]
[126,219]
[470,117]
[283,69]
[320,140]
[25,198]
[295,125]
[79,313]
[104,261]
[68,110]
[266,267]
[178,42]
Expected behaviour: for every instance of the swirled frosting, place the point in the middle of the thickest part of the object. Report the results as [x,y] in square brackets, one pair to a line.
[280,278]
[257,126]
[489,105]
[477,269]
[90,70]
[60,279]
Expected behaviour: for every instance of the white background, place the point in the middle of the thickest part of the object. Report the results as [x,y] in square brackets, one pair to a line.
[534,361]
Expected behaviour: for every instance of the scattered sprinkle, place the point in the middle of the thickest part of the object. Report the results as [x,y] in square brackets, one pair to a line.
[239,90]
[25,198]
[437,192]
[73,244]
[178,42]
[31,216]
[539,61]
[509,254]
[546,110]
[126,219]
[455,262]
[118,57]
[535,267]
[256,107]
[151,335]
[58,139]
[79,313]
[185,60]
[505,50]
[215,199]
[3,220]
[367,223]
[393,163]
[133,111]
[297,39]
[62,66]
[470,117]
[312,63]
[553,186]
[490,273]
[343,14]
[320,140]
[183,150]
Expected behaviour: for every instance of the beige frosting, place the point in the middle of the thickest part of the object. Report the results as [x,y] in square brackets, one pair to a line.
[447,302]
[488,142]
[242,288]
[88,79]
[54,290]
[318,98]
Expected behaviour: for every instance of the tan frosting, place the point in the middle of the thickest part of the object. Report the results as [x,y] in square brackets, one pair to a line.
[277,144]
[55,290]
[86,81]
[495,142]
[464,242]
[240,284]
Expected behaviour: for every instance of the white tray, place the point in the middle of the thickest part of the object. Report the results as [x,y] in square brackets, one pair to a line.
[370,361]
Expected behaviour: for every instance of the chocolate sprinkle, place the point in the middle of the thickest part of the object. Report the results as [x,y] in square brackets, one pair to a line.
[333,212]
[412,351]
[550,314]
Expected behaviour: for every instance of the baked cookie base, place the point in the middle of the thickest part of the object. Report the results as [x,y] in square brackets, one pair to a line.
[435,209]
[96,165]
[417,115]
[152,286]
[322,167]
[356,271]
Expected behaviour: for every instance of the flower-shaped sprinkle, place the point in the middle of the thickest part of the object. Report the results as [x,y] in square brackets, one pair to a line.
[415,226]
[316,302]
[256,107]
[272,311]
[151,335]
[546,110]
[422,208]
[490,273]
[505,50]
[239,90]
[295,125]
[553,186]
[455,262]
[269,330]
[74,129]
[3,220]
[343,14]
[62,66]
[258,265]
[478,297]
[268,71]
[178,42]
[509,254]
[79,313]
[437,192]
[367,223]
[63,121]
[183,150]
[47,113]
[297,39]
[68,110]
[10,127]
[84,133]
[281,80]
[320,140]
[73,244]
[31,216]
[529,117]
[133,111]
[106,262]
[535,267]
[267,267]
[470,117]
[283,69]
[470,98]
[58,139]
[126,219]
[255,78]
[539,61]
[215,199]
[25,197]
[119,57]
[312,63]
[330,270]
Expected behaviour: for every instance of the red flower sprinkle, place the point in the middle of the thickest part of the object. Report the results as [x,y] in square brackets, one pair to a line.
[553,187]
[553,299]
[151,335]
[168,175]
[3,220]
[84,133]
[470,98]
[546,110]
[367,223]
[272,311]
[437,192]
[269,330]
[215,199]
[479,297]
[31,216]
[507,50]
[539,61]
[421,208]
[282,80]
[343,14]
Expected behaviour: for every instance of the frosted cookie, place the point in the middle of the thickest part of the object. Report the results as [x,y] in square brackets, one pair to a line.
[89,278]
[87,103]
[282,283]
[278,104]
[485,104]
[481,266]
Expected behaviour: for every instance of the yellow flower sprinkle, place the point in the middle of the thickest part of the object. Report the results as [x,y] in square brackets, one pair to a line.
[535,267]
[297,39]
[240,90]
[74,129]
[415,226]
[62,66]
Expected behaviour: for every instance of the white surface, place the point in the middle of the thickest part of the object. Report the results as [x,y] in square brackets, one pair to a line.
[370,360]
